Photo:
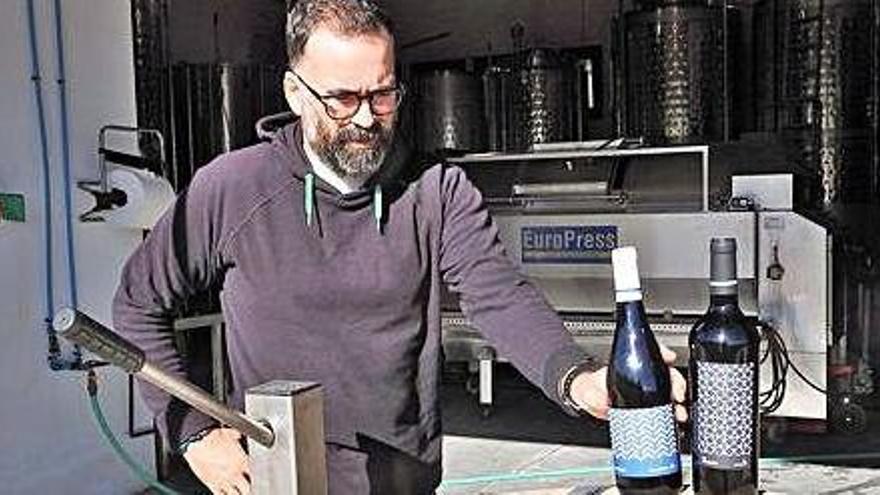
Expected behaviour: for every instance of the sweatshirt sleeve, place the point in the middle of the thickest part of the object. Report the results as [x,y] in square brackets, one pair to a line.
[179,258]
[506,308]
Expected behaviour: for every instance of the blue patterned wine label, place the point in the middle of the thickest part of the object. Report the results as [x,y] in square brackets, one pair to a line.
[723,415]
[643,442]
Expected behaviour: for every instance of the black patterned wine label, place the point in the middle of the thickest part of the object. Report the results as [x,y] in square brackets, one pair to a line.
[643,442]
[723,415]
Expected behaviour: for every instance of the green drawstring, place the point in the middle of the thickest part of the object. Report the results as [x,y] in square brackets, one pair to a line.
[309,198]
[377,207]
[309,202]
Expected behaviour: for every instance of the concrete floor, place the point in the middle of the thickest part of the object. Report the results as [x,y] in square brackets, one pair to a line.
[528,446]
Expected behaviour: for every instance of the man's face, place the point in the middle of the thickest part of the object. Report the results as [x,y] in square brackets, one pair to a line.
[338,65]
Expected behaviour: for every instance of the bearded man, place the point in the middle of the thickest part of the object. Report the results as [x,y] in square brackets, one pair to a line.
[331,250]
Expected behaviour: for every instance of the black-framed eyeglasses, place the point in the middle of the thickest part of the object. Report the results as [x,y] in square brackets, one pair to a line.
[345,105]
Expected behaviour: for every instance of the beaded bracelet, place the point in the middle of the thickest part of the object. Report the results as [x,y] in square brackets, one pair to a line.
[565,384]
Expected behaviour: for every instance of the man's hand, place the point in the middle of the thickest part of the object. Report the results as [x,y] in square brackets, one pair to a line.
[590,390]
[220,463]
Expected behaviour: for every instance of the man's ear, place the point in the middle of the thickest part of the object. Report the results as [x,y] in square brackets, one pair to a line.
[291,93]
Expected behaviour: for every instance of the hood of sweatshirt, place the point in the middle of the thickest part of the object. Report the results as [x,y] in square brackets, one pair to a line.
[376,192]
[393,173]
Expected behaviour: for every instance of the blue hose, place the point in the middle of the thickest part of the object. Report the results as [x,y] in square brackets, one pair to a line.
[55,357]
[65,154]
[54,350]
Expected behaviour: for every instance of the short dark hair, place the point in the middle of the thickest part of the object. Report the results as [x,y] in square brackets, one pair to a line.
[350,17]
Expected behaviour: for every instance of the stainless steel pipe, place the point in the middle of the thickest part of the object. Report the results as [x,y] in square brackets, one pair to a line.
[597,188]
[106,344]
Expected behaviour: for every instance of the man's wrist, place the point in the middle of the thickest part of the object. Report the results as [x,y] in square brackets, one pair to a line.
[568,378]
[187,442]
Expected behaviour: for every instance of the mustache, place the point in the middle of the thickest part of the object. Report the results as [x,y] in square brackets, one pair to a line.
[359,134]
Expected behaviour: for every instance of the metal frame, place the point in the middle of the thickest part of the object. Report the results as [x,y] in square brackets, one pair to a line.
[498,158]
[218,363]
[102,180]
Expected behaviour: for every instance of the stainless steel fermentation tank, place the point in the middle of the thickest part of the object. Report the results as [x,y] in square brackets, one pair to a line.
[543,99]
[818,85]
[675,67]
[510,104]
[449,111]
[499,89]
[828,66]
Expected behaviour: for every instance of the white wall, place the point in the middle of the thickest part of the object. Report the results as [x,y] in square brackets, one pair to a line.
[48,440]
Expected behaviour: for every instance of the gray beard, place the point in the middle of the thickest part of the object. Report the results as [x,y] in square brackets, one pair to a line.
[356,164]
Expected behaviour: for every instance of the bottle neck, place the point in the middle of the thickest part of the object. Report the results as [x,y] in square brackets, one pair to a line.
[722,300]
[629,295]
[630,313]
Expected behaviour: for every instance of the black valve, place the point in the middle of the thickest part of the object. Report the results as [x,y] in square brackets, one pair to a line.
[775,271]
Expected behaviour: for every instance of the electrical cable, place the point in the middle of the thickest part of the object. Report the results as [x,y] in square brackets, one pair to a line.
[772,398]
[797,371]
[780,363]
[806,380]
[136,468]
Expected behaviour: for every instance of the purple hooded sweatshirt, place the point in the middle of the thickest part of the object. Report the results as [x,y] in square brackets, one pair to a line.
[339,289]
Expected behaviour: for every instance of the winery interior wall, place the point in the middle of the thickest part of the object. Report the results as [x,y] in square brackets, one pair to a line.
[47,434]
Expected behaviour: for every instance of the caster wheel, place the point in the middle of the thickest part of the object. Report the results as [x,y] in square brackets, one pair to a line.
[848,418]
[486,411]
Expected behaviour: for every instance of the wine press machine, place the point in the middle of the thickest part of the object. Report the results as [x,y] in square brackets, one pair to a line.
[806,276]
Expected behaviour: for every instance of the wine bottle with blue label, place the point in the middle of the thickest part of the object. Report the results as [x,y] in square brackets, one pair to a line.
[644,441]
[724,348]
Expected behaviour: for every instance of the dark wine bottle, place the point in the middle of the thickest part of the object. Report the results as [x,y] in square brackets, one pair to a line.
[644,442]
[724,385]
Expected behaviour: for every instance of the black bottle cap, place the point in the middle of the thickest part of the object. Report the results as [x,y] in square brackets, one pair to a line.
[722,266]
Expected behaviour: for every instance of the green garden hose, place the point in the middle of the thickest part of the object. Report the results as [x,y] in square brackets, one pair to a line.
[138,470]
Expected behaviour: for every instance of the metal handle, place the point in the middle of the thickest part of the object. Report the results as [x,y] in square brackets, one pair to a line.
[108,345]
[259,431]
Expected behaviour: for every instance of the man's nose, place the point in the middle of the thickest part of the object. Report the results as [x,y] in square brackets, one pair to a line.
[364,117]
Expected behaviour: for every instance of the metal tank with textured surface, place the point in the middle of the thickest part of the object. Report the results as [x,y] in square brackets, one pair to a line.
[675,86]
[498,96]
[449,111]
[826,86]
[543,107]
